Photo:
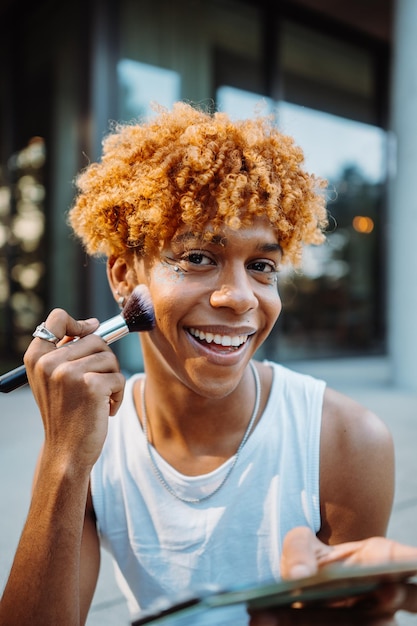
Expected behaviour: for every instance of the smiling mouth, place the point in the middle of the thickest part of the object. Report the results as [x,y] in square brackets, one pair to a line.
[234,341]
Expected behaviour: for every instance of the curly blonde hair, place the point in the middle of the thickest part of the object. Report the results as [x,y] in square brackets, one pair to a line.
[195,168]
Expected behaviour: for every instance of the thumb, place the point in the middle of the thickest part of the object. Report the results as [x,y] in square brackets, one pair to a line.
[301,551]
[79,328]
[84,327]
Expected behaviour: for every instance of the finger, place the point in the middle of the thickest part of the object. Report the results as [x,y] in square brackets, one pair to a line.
[402,552]
[90,344]
[301,553]
[111,388]
[63,325]
[65,369]
[409,602]
[342,552]
[393,597]
[318,617]
[264,618]
[372,551]
[73,365]
[298,554]
[51,364]
[91,356]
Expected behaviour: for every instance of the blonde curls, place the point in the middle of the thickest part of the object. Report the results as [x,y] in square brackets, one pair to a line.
[191,167]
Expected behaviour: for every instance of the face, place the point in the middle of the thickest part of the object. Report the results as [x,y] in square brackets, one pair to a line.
[215,303]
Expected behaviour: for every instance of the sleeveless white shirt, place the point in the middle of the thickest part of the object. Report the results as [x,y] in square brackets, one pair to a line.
[163,546]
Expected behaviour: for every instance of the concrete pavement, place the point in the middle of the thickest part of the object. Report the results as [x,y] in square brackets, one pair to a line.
[367,380]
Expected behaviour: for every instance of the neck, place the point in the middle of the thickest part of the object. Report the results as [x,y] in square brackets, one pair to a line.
[193,432]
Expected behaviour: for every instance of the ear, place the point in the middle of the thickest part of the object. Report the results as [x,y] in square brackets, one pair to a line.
[121,276]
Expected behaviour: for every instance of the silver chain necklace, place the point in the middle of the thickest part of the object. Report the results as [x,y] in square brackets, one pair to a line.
[154,465]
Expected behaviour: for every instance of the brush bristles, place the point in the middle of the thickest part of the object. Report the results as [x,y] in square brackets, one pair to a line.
[138,311]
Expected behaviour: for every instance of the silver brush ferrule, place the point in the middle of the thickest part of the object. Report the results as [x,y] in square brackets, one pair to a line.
[113,329]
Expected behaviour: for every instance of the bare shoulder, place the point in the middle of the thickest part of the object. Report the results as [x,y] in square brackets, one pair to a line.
[356,470]
[351,422]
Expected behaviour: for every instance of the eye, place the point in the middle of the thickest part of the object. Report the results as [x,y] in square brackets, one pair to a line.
[264,267]
[197,258]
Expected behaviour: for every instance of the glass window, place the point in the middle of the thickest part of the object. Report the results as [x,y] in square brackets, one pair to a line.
[326,73]
[137,81]
[332,306]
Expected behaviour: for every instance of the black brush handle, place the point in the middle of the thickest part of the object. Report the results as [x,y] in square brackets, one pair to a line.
[13,379]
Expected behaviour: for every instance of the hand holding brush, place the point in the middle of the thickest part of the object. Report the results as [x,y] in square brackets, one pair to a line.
[136,316]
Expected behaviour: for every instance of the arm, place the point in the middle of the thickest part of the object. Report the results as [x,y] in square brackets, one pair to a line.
[56,565]
[49,582]
[356,471]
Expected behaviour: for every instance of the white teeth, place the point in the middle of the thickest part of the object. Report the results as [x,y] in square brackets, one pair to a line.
[221,340]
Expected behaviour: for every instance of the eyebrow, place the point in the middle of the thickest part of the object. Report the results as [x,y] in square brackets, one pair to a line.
[190,236]
[270,247]
[221,240]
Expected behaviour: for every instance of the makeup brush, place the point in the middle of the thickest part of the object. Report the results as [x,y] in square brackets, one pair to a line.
[137,316]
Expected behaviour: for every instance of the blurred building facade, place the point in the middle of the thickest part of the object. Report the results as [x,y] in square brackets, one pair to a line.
[328,71]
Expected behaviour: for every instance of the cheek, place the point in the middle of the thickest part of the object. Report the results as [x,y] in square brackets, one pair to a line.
[273,305]
[165,286]
[164,274]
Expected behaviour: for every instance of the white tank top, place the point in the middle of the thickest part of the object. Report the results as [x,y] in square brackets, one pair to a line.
[165,547]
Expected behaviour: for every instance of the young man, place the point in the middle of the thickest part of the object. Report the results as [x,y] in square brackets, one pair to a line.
[210,458]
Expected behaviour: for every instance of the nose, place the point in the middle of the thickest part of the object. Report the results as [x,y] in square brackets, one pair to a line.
[235,293]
